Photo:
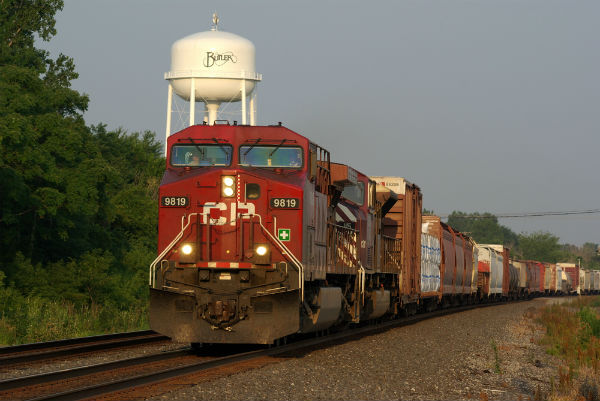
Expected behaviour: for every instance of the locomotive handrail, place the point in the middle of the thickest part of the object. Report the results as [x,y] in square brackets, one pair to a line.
[361,280]
[342,227]
[293,258]
[390,255]
[152,278]
[343,246]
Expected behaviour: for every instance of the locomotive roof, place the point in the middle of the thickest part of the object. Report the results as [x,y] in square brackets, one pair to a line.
[224,133]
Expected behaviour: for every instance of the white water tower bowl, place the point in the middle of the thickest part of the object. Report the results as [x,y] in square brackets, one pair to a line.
[213,67]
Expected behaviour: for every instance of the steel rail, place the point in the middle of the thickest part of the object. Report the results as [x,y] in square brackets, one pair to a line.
[104,389]
[71,341]
[53,349]
[41,378]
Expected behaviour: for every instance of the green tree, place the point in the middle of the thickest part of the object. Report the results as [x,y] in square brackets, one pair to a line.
[542,246]
[483,228]
[69,194]
[42,133]
[78,204]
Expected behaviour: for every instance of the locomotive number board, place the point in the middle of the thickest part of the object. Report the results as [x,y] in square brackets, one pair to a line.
[174,201]
[285,203]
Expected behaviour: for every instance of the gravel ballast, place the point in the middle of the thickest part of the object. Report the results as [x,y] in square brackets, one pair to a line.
[488,353]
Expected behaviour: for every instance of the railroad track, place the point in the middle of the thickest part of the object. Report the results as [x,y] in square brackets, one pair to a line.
[108,379]
[25,353]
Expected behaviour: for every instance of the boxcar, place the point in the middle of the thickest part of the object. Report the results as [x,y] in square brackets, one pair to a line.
[581,287]
[403,222]
[572,271]
[559,280]
[551,280]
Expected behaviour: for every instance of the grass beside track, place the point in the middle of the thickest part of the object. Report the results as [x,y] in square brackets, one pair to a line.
[34,319]
[573,334]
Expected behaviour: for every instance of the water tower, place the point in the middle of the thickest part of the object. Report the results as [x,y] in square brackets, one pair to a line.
[213,67]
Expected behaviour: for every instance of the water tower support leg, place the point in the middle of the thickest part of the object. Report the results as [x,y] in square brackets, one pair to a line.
[169,106]
[244,113]
[253,108]
[193,102]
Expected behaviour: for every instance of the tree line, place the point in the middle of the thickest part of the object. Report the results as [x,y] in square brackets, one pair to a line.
[542,246]
[78,210]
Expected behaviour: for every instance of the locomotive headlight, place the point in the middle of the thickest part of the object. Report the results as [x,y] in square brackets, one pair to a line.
[261,250]
[228,186]
[262,254]
[187,249]
[228,181]
[187,253]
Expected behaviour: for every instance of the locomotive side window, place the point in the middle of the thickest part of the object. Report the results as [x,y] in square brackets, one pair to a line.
[200,155]
[355,193]
[271,156]
[252,191]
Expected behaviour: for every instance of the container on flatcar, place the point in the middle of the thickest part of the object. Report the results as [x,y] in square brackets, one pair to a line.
[403,222]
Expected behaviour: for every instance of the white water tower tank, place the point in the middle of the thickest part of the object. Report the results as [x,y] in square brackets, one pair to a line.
[213,67]
[218,60]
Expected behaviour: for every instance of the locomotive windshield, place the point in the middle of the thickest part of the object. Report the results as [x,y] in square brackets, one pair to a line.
[201,155]
[271,156]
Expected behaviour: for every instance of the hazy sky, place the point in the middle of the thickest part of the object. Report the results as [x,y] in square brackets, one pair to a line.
[486,105]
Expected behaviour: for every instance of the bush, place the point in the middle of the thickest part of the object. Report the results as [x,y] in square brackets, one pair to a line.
[34,318]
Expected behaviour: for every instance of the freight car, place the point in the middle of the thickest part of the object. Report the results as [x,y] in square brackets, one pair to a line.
[458,262]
